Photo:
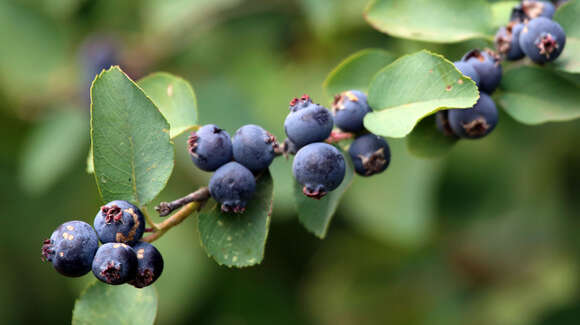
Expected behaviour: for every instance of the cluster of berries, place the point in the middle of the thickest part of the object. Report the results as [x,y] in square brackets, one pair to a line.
[531,32]
[320,167]
[73,248]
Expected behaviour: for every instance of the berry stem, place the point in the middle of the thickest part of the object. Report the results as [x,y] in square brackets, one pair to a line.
[165,208]
[174,220]
[337,136]
[148,219]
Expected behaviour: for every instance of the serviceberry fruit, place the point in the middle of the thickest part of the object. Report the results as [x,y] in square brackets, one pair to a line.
[370,154]
[487,64]
[71,248]
[232,185]
[210,147]
[442,123]
[115,263]
[149,265]
[319,168]
[254,147]
[350,108]
[507,41]
[307,122]
[542,40]
[119,222]
[475,122]
[467,70]
[530,9]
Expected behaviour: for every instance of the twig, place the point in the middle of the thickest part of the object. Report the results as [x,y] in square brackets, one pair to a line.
[174,220]
[165,208]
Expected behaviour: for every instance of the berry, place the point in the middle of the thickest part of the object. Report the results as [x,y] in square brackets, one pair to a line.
[71,248]
[467,70]
[350,108]
[542,40]
[320,168]
[475,122]
[530,9]
[507,41]
[119,222]
[442,122]
[487,64]
[254,147]
[307,122]
[370,154]
[115,263]
[232,185]
[210,147]
[149,265]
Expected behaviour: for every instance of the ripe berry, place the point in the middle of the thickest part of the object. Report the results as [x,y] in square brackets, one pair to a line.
[115,263]
[320,168]
[530,9]
[232,185]
[350,108]
[307,122]
[71,248]
[507,41]
[442,122]
[210,147]
[468,70]
[487,64]
[542,40]
[254,147]
[475,122]
[370,154]
[119,222]
[149,265]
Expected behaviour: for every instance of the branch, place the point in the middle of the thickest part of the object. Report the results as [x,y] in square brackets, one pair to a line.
[165,208]
[173,221]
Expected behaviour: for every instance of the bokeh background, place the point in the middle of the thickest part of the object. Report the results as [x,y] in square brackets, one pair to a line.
[489,234]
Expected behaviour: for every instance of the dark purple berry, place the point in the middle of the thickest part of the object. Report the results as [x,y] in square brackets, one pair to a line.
[210,148]
[71,248]
[488,66]
[232,185]
[475,122]
[442,123]
[119,222]
[115,263]
[254,147]
[507,41]
[350,108]
[542,40]
[307,122]
[149,265]
[370,154]
[468,70]
[319,168]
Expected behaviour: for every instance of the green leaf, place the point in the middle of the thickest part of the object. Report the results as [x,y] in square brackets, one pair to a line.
[123,304]
[413,87]
[133,154]
[55,145]
[357,71]
[426,141]
[175,99]
[431,21]
[316,215]
[551,97]
[239,239]
[501,12]
[567,16]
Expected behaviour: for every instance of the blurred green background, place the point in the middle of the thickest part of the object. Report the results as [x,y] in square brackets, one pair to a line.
[487,235]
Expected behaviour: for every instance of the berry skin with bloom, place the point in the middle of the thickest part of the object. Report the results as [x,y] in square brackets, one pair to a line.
[475,122]
[350,108]
[119,222]
[210,147]
[307,122]
[232,185]
[542,40]
[370,154]
[115,263]
[319,168]
[149,265]
[254,147]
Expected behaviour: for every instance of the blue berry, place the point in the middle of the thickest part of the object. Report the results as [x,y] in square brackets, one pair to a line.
[507,41]
[232,185]
[475,122]
[149,265]
[468,70]
[319,168]
[115,263]
[487,64]
[71,248]
[542,40]
[254,147]
[530,9]
[370,154]
[442,123]
[307,122]
[350,108]
[210,147]
[119,222]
